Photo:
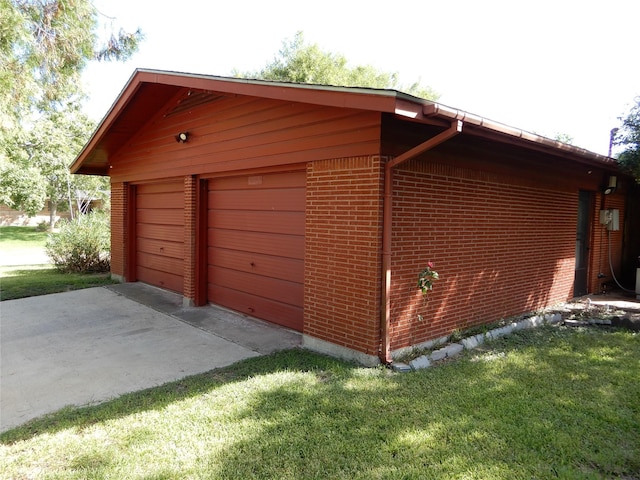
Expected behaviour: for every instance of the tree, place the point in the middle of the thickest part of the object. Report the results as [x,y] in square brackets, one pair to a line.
[629,137]
[564,138]
[51,145]
[300,62]
[44,47]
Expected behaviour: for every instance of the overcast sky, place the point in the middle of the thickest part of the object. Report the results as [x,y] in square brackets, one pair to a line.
[549,66]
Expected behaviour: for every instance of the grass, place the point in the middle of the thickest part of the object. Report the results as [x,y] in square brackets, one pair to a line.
[31,280]
[547,403]
[28,281]
[14,238]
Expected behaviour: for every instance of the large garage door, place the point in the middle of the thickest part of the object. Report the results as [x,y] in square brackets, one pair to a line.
[160,234]
[256,245]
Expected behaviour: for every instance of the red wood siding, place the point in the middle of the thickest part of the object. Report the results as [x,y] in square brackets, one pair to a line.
[243,133]
[160,234]
[256,245]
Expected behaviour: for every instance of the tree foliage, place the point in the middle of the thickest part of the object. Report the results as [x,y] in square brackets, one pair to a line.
[44,47]
[51,145]
[629,138]
[564,138]
[301,62]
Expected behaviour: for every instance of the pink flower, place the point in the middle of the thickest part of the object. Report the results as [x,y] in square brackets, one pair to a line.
[430,264]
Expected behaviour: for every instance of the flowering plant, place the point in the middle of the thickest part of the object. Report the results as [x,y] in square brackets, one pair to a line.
[426,278]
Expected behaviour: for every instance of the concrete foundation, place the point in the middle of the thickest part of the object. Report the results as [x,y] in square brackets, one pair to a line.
[328,348]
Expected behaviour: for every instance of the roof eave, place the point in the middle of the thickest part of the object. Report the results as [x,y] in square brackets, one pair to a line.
[433,109]
[385,101]
[103,127]
[326,95]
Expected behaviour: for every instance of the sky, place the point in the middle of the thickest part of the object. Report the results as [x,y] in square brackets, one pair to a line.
[546,66]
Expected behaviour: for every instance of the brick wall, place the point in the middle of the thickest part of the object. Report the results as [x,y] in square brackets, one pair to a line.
[190,219]
[501,246]
[342,252]
[119,203]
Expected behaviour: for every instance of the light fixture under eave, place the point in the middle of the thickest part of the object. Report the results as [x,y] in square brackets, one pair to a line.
[611,186]
[182,137]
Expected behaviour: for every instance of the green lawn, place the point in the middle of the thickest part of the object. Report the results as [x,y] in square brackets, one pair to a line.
[30,280]
[547,403]
[14,238]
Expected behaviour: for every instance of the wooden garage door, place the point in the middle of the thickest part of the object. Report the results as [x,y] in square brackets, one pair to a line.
[256,245]
[160,234]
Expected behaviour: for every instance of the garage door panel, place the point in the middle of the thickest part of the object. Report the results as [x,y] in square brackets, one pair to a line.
[291,223]
[159,247]
[267,287]
[257,242]
[169,233]
[290,269]
[160,188]
[160,201]
[160,216]
[162,263]
[259,307]
[256,245]
[260,182]
[159,238]
[160,279]
[276,199]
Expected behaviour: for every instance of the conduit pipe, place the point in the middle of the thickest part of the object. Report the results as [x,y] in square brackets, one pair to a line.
[387,217]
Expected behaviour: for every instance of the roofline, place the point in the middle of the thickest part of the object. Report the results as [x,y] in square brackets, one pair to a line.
[382,100]
[436,109]
[432,109]
[349,97]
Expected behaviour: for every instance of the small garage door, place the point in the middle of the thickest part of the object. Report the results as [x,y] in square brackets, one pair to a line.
[256,245]
[160,234]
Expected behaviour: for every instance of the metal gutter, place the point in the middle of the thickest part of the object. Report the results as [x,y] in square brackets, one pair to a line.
[432,109]
[387,218]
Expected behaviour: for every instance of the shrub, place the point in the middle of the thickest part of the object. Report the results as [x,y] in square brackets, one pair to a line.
[82,245]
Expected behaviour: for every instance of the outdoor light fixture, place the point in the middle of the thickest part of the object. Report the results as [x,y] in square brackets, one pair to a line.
[611,186]
[182,137]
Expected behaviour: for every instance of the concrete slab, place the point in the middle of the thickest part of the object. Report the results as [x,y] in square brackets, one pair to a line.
[88,346]
[252,333]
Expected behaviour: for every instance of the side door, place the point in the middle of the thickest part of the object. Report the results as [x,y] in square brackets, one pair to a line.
[580,284]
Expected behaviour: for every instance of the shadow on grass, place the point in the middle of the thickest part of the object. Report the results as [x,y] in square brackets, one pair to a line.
[539,404]
[560,408]
[157,398]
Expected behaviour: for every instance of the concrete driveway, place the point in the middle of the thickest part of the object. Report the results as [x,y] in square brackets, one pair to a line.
[88,346]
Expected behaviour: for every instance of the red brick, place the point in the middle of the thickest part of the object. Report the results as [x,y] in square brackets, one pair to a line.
[343,243]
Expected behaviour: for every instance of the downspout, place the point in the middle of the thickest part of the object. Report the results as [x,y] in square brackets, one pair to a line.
[385,311]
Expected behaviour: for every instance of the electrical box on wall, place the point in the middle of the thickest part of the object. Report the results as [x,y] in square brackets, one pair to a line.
[610,218]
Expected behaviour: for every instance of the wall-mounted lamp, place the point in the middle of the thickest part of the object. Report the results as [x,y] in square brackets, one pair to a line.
[611,186]
[182,137]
